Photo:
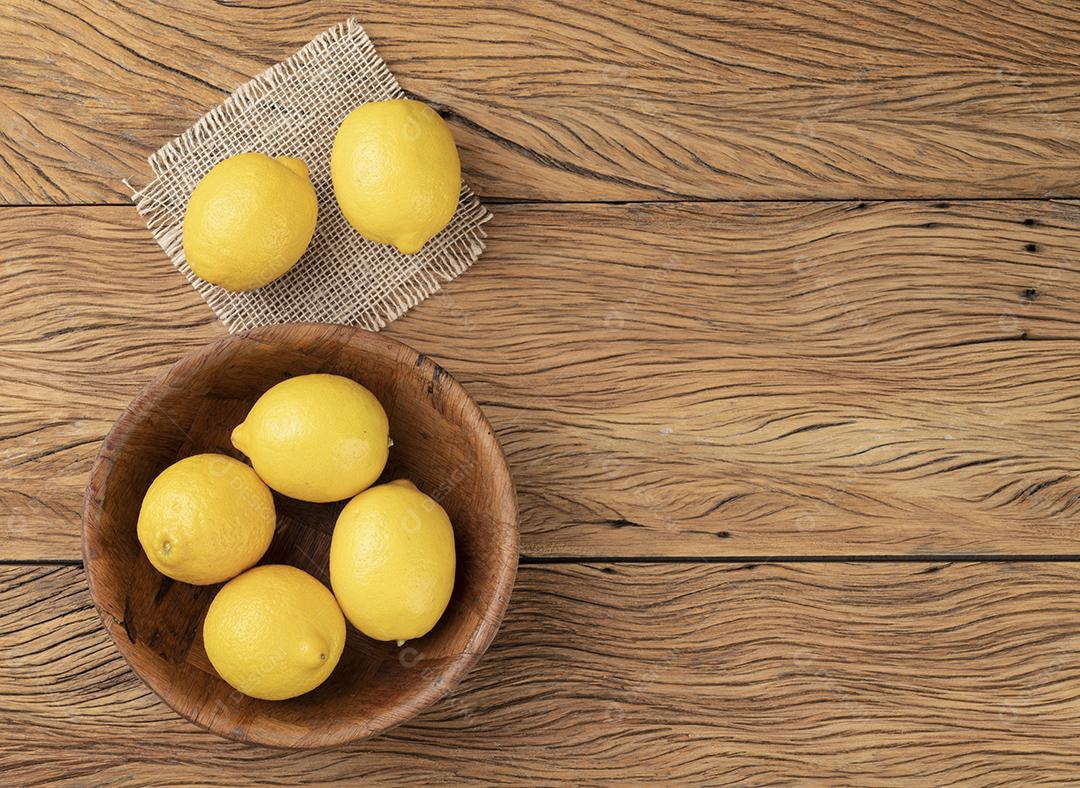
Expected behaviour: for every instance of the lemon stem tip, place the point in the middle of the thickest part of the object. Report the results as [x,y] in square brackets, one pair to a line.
[298,166]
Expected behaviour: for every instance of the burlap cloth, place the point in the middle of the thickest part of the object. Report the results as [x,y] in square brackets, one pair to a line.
[294,109]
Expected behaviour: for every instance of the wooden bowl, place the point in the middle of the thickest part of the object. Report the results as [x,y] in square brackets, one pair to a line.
[442,442]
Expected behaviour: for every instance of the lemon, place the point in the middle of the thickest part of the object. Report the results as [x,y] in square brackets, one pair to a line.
[205,519]
[396,172]
[274,632]
[316,437]
[249,220]
[392,561]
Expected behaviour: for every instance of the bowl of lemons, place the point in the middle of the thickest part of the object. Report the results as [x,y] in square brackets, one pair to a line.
[302,535]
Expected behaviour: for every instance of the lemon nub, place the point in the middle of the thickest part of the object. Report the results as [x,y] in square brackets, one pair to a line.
[295,165]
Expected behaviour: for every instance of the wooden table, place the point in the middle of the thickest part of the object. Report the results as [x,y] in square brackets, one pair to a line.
[778,324]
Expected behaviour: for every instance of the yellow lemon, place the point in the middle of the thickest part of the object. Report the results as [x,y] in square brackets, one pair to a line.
[316,437]
[249,220]
[205,519]
[392,561]
[274,632]
[396,172]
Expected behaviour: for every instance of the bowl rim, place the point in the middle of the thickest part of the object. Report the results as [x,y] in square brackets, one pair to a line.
[448,677]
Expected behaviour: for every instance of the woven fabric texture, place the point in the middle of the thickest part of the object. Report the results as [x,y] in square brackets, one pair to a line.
[294,109]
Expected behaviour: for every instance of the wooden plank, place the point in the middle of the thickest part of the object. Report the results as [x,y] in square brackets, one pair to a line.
[586,100]
[698,379]
[840,673]
[92,310]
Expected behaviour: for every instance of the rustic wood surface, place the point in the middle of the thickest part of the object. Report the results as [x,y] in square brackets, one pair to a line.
[861,674]
[590,100]
[701,337]
[778,379]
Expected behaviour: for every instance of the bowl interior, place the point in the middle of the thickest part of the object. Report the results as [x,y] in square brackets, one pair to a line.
[442,443]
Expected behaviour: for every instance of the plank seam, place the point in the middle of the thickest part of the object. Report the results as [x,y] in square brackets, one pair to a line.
[527,560]
[680,201]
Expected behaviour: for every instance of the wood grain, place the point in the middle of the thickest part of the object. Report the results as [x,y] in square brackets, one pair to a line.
[562,100]
[726,379]
[850,674]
